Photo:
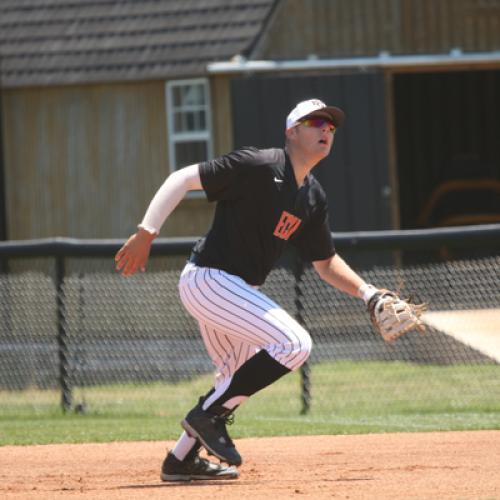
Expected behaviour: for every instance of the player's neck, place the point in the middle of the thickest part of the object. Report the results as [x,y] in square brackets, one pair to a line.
[301,164]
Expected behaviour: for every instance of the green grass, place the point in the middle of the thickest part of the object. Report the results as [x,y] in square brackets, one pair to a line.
[347,398]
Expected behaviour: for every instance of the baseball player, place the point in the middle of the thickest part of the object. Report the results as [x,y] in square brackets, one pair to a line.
[265,200]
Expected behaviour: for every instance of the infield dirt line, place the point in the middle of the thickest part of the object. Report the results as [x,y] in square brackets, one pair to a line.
[448,465]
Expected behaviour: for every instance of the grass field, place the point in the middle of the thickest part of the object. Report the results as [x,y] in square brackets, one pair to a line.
[347,398]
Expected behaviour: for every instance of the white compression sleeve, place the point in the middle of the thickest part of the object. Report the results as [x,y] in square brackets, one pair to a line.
[169,196]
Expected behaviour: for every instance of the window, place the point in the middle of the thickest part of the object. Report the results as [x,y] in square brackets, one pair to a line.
[189,122]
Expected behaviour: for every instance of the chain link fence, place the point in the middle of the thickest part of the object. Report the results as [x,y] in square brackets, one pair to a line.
[76,334]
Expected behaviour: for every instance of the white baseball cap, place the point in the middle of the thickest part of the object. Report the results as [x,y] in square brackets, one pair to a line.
[314,107]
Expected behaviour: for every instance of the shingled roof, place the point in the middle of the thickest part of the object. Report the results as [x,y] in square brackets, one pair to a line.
[51,42]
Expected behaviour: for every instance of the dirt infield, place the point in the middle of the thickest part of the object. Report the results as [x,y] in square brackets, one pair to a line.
[458,465]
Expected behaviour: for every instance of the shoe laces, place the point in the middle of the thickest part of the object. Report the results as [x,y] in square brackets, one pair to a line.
[220,423]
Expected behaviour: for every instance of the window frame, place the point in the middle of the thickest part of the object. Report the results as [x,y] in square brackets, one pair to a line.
[177,137]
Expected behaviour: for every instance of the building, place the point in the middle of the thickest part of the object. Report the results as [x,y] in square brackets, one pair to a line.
[100,99]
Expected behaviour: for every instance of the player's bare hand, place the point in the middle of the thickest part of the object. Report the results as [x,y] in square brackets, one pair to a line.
[134,254]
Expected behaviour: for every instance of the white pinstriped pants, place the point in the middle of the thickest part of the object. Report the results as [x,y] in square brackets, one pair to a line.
[237,320]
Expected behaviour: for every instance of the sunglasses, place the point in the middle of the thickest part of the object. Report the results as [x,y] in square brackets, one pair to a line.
[319,123]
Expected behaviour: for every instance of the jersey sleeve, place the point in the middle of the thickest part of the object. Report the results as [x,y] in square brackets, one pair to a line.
[223,178]
[315,241]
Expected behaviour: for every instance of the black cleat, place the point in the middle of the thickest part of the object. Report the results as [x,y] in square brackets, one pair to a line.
[194,469]
[209,427]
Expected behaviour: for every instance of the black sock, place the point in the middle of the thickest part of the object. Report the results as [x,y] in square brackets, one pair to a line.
[256,373]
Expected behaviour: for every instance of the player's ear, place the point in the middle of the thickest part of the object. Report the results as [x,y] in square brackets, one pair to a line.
[291,133]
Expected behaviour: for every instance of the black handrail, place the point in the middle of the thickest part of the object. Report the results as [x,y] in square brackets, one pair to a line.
[409,239]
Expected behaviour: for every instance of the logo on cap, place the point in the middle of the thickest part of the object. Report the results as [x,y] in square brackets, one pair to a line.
[317,103]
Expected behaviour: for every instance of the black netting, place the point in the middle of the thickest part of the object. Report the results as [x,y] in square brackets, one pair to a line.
[341,329]
[108,335]
[28,335]
[130,330]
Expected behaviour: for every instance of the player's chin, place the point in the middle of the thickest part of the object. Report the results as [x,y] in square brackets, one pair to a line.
[325,148]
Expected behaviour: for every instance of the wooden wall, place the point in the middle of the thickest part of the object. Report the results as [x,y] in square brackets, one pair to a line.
[348,28]
[84,161]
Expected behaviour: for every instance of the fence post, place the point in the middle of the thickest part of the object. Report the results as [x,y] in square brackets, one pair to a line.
[62,339]
[305,369]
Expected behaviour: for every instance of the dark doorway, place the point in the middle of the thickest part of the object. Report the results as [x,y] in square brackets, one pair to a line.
[448,147]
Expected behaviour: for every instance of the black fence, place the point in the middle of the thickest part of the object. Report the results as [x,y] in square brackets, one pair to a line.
[70,321]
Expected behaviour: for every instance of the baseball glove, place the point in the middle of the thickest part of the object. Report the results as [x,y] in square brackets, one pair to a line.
[392,316]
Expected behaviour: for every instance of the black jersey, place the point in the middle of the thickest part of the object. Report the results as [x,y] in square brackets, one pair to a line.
[259,210]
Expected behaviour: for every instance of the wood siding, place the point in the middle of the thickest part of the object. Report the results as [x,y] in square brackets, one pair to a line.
[222,125]
[349,28]
[84,161]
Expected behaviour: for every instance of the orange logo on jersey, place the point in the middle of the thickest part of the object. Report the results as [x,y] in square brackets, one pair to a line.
[286,226]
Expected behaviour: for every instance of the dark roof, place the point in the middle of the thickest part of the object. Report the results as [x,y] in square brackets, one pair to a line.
[50,42]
